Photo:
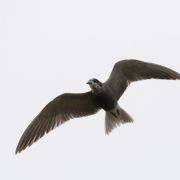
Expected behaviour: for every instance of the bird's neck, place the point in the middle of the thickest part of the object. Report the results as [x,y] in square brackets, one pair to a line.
[96,90]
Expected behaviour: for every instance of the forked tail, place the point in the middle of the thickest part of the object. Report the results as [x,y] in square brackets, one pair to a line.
[115,117]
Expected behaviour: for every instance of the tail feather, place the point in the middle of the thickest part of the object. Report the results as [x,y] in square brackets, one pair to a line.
[116,117]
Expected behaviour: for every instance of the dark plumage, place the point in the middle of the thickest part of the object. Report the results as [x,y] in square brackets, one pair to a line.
[102,96]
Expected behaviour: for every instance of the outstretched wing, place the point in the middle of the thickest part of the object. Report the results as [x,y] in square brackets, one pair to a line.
[127,71]
[56,112]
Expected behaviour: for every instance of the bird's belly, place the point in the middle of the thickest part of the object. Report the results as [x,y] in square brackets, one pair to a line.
[106,101]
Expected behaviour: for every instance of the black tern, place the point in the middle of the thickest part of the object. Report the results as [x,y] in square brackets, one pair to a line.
[102,96]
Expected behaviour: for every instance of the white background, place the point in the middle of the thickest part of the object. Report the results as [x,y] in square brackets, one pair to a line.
[51,47]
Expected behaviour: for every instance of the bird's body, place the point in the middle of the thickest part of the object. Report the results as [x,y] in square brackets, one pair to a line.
[102,96]
[105,98]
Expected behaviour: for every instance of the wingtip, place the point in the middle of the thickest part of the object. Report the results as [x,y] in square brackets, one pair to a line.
[179,77]
[17,151]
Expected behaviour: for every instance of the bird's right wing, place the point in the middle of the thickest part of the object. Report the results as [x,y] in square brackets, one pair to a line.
[58,111]
[127,71]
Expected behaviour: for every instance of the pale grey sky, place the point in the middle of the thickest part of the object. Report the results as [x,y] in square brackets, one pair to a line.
[51,47]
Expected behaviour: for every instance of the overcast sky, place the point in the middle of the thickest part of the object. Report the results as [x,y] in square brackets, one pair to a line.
[51,47]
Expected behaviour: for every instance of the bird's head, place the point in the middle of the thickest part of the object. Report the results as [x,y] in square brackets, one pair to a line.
[95,85]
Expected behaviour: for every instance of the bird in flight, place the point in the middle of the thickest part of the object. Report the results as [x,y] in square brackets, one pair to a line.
[102,96]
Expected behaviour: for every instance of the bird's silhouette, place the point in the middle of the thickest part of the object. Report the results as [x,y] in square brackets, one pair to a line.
[102,96]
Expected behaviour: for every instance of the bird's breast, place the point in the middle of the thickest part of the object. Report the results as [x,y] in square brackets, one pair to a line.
[106,100]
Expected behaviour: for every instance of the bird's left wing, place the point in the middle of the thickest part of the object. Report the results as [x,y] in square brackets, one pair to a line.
[56,112]
[127,71]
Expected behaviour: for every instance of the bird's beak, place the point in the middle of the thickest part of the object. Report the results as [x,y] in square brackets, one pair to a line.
[89,82]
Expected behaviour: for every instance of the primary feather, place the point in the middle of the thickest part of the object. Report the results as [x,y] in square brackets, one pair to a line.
[58,111]
[127,71]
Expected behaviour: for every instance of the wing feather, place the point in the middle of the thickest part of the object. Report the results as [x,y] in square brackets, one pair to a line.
[58,111]
[127,71]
